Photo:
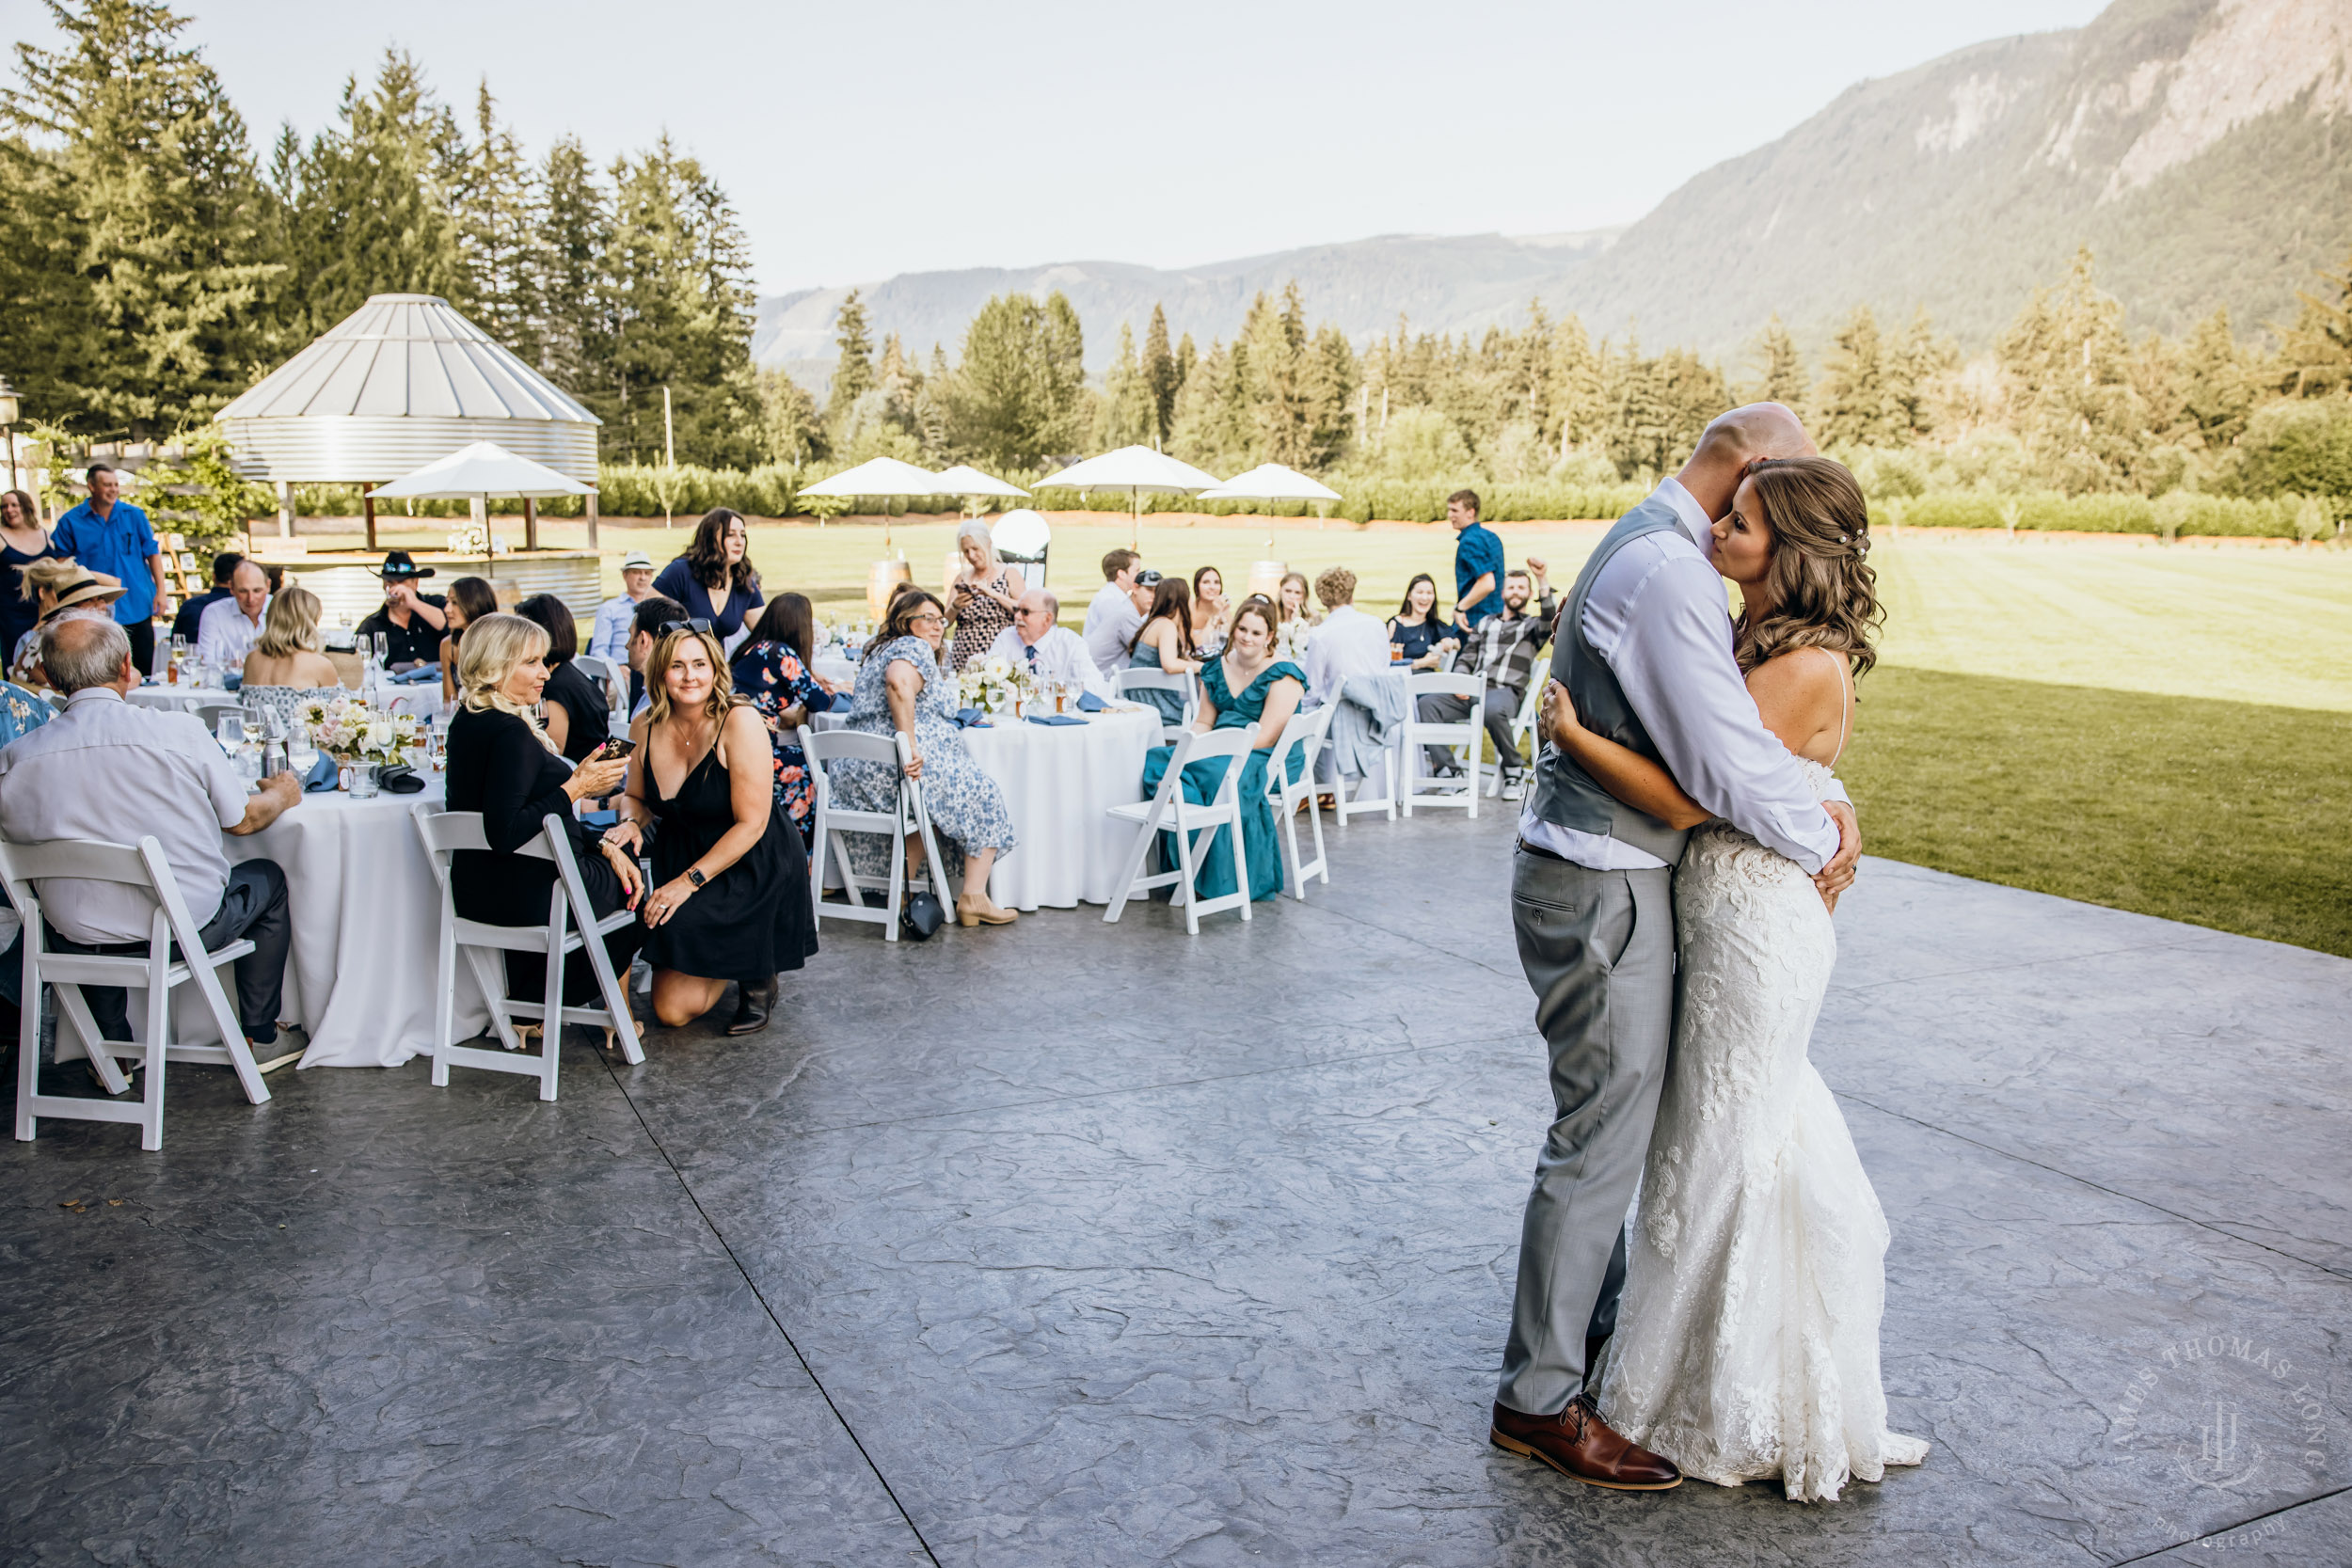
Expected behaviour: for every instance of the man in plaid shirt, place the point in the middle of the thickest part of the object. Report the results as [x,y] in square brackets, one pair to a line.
[1503,648]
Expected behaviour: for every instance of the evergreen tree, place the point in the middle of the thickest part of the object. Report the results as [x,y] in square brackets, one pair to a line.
[575,327]
[1579,387]
[2067,366]
[499,218]
[1128,413]
[854,370]
[2217,382]
[143,222]
[2316,357]
[790,429]
[1782,369]
[1162,374]
[1851,405]
[1912,370]
[373,212]
[1016,396]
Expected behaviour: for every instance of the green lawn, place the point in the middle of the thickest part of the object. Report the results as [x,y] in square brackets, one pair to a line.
[2167,729]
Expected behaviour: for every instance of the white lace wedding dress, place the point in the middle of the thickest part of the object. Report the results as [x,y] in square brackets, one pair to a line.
[1747,1342]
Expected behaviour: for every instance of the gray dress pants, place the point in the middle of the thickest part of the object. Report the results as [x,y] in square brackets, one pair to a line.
[1599,950]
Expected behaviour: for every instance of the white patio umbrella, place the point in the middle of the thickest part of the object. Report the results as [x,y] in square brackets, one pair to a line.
[1270,481]
[482,473]
[966,480]
[881,476]
[1136,470]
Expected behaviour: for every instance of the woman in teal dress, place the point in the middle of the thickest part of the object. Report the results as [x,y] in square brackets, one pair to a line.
[1247,687]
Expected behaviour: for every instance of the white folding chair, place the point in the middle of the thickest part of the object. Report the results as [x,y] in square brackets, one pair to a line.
[175,954]
[1127,683]
[1168,811]
[613,684]
[1303,737]
[831,823]
[1385,802]
[1524,728]
[1466,738]
[572,926]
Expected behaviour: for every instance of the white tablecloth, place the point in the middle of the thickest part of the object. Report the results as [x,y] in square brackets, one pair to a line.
[1059,781]
[360,976]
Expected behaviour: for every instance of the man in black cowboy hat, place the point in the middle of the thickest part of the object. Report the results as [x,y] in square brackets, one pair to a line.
[410,623]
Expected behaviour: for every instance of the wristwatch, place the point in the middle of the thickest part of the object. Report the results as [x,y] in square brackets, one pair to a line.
[696,877]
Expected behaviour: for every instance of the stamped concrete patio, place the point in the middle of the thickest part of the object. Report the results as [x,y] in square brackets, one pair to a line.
[1080,1245]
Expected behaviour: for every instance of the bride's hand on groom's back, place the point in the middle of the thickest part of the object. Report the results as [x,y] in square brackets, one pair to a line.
[1837,876]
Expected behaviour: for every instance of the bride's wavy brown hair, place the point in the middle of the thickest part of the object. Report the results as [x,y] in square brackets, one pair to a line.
[1824,593]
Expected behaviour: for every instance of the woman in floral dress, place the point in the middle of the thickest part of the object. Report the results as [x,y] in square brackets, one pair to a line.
[900,686]
[984,594]
[772,670]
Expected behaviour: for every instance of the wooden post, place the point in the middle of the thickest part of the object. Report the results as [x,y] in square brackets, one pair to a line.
[367,509]
[531,524]
[285,509]
[590,506]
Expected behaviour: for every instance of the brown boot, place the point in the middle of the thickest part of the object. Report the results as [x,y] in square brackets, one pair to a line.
[1580,1445]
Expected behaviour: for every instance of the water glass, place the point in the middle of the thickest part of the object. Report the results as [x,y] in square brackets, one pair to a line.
[366,779]
[229,729]
[301,755]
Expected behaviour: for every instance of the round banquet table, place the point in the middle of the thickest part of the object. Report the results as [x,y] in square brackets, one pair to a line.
[360,975]
[1059,781]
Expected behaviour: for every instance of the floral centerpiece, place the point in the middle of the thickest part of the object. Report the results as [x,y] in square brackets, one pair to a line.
[350,732]
[986,683]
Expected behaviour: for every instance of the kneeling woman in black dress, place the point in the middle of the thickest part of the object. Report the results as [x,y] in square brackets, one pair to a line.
[730,878]
[502,764]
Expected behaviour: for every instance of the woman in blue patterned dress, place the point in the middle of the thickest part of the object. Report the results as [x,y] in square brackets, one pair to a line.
[1248,687]
[772,670]
[900,686]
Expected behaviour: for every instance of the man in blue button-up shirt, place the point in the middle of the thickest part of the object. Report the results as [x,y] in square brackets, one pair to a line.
[1477,563]
[108,534]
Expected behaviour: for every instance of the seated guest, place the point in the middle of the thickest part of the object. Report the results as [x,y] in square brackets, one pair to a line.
[469,599]
[1248,687]
[1164,643]
[644,632]
[730,897]
[1291,598]
[1209,611]
[286,669]
[410,623]
[574,713]
[1415,633]
[502,764]
[1503,648]
[108,770]
[1349,643]
[610,640]
[772,673]
[230,627]
[901,689]
[1112,618]
[715,579]
[1051,653]
[184,624]
[58,588]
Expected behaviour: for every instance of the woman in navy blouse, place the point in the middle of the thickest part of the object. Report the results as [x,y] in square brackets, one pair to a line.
[714,579]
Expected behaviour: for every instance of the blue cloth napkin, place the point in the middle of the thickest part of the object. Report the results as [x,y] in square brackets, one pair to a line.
[418,676]
[1088,702]
[231,682]
[1056,718]
[972,719]
[322,775]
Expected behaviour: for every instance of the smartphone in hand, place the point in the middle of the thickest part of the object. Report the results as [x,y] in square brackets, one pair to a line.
[617,746]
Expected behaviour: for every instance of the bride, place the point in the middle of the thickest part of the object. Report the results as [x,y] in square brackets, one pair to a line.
[1747,1345]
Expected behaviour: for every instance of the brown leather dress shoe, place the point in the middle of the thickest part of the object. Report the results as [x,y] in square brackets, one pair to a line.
[1580,1445]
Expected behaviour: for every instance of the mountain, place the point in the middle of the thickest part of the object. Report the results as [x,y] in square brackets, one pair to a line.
[2202,147]
[1454,282]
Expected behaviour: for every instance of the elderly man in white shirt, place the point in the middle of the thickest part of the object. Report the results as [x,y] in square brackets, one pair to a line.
[228,627]
[107,770]
[1050,651]
[609,641]
[1114,617]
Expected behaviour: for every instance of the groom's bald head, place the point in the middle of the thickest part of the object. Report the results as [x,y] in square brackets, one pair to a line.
[1734,440]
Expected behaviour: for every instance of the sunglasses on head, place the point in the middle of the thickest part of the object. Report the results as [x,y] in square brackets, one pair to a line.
[697,623]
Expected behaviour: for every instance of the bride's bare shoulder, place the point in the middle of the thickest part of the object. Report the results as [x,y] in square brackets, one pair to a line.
[1801,695]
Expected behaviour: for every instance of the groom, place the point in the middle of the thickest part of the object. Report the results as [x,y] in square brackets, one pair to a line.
[1644,647]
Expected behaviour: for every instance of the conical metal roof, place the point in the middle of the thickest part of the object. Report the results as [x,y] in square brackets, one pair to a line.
[406,356]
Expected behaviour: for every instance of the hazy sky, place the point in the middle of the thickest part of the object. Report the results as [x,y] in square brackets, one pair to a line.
[859,140]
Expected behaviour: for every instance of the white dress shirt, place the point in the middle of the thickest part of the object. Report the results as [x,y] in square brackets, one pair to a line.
[107,769]
[1112,622]
[1061,655]
[1348,642]
[224,635]
[1658,617]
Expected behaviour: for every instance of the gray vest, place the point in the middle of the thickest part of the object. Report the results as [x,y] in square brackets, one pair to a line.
[1564,795]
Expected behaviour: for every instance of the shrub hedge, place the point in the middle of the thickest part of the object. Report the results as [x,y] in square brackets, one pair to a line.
[2178,513]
